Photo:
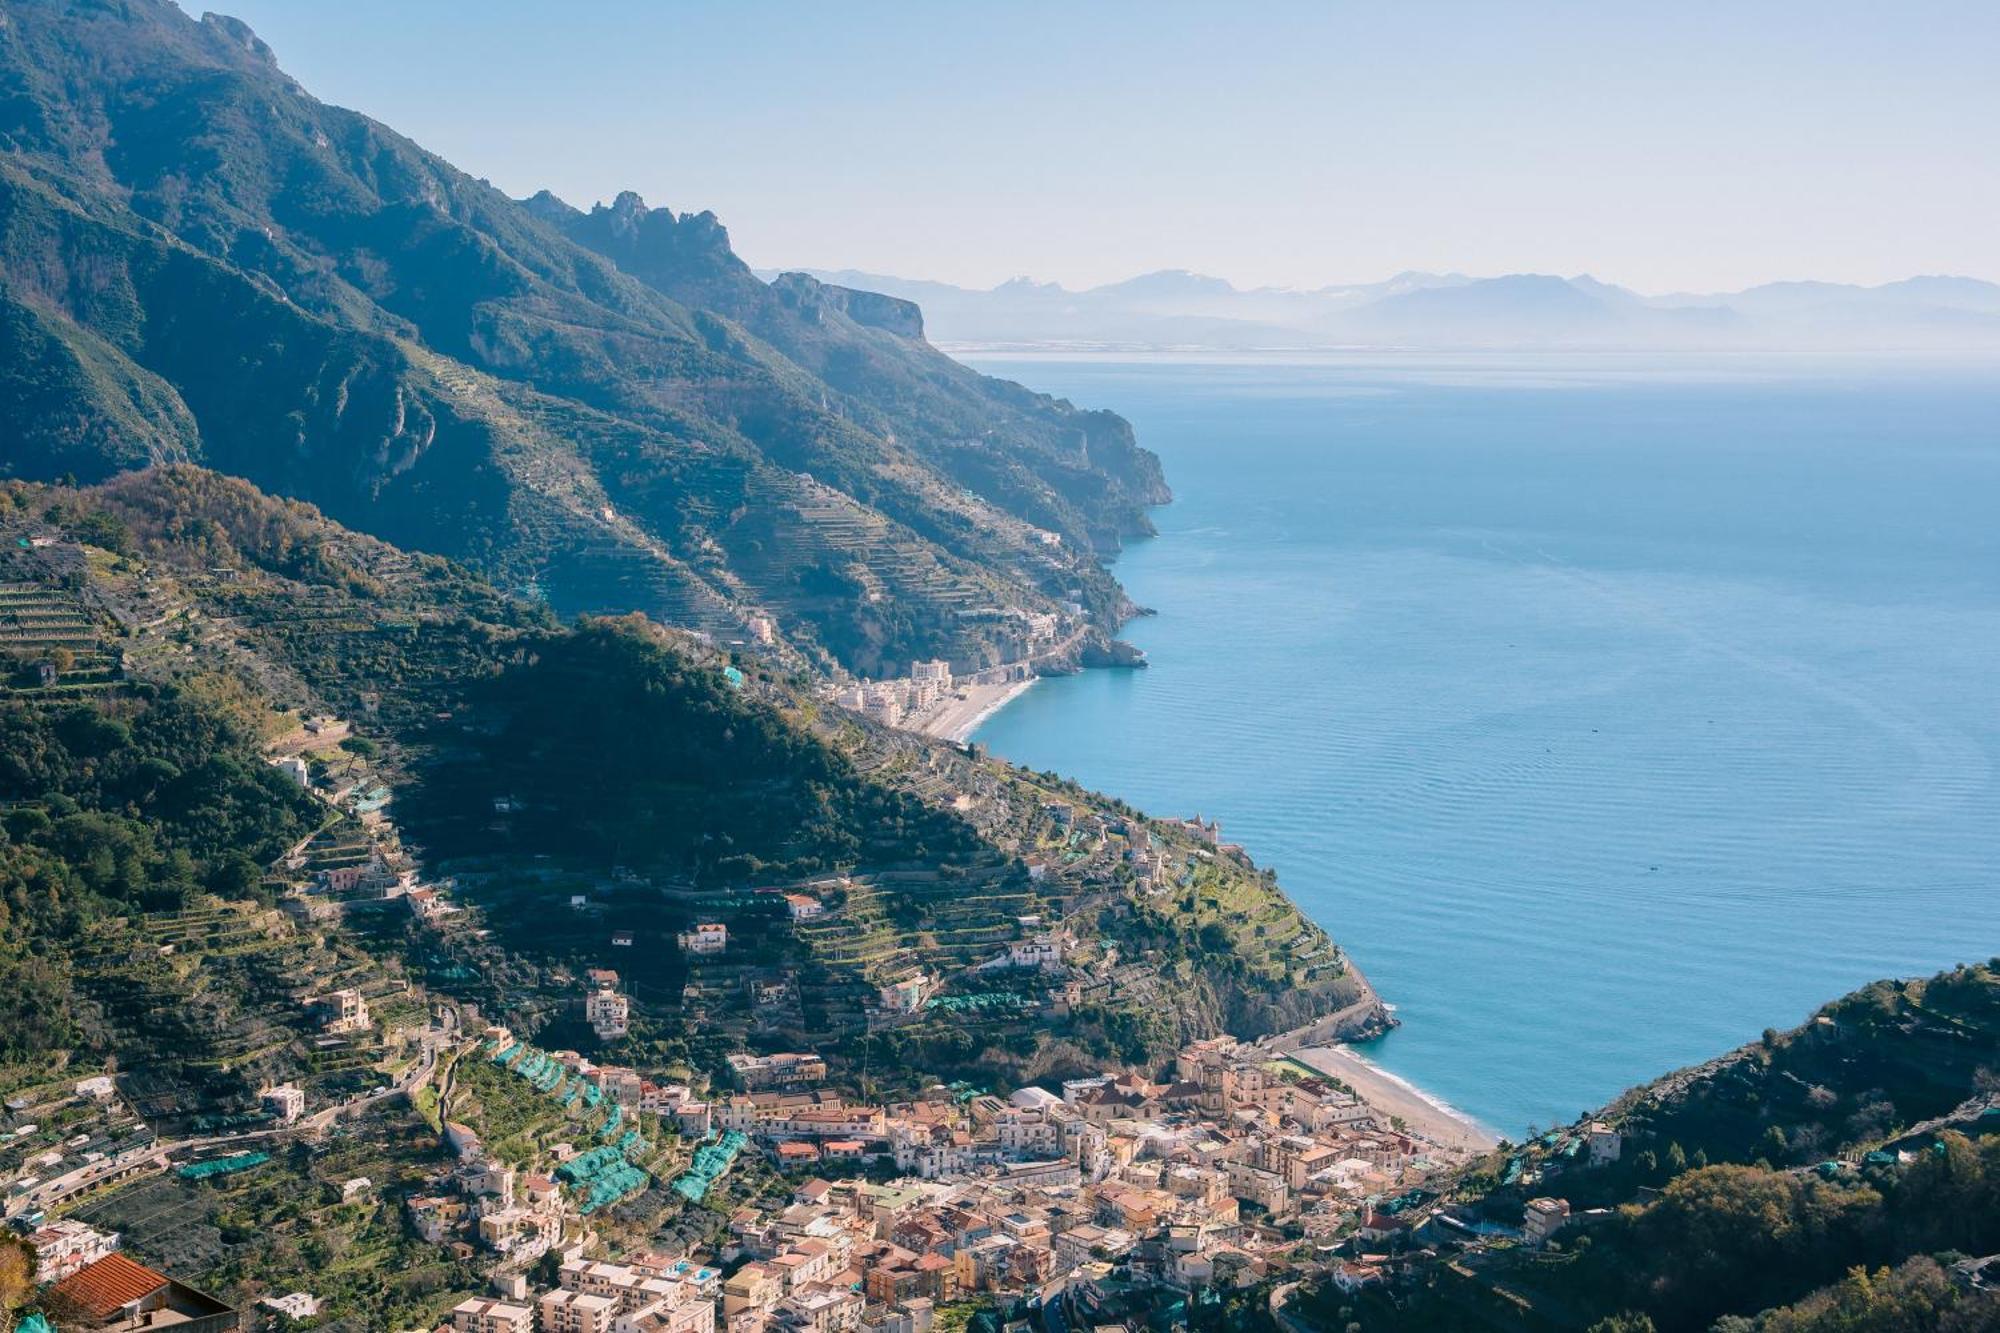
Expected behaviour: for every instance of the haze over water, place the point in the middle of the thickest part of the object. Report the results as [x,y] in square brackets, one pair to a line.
[1608,710]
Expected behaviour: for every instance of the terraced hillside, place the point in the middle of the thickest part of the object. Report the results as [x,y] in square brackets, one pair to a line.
[608,780]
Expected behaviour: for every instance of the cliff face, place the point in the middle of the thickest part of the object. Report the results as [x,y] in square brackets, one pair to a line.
[872,310]
[202,261]
[1080,473]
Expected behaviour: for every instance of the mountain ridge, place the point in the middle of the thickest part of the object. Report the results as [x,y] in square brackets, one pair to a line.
[1177,308]
[200,261]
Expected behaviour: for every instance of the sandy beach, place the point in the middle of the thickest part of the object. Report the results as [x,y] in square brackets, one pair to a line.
[957,719]
[1423,1115]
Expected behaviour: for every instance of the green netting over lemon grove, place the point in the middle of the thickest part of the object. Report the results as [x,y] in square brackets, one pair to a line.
[602,1176]
[223,1166]
[711,1159]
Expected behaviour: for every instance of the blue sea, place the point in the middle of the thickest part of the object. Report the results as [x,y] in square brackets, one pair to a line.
[1607,709]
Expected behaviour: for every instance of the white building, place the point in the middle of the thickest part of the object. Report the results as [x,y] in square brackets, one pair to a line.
[298,1305]
[64,1246]
[608,1013]
[286,1101]
[566,1311]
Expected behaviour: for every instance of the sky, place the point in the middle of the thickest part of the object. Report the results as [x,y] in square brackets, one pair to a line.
[1671,147]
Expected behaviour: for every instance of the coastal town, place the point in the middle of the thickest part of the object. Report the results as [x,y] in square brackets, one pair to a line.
[1084,1203]
[1080,1200]
[935,700]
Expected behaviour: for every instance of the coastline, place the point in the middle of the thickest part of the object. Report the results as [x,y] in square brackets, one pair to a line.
[1424,1115]
[956,719]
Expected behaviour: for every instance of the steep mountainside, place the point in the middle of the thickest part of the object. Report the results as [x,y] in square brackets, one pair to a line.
[1074,472]
[200,261]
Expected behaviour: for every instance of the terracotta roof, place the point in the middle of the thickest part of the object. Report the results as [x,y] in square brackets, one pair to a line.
[109,1285]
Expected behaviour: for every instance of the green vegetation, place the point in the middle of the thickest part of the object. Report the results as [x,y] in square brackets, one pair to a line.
[115,809]
[622,750]
[287,1227]
[1818,1179]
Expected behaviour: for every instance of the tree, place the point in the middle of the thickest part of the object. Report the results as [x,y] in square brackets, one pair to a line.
[17,1276]
[1630,1321]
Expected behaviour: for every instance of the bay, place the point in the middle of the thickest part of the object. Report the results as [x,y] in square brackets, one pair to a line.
[1607,709]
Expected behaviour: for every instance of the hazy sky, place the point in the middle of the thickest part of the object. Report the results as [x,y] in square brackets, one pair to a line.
[1666,146]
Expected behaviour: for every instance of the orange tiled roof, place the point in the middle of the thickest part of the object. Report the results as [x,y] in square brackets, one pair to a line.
[109,1285]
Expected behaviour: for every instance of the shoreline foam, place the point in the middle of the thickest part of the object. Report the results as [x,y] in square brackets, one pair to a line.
[1426,1114]
[959,718]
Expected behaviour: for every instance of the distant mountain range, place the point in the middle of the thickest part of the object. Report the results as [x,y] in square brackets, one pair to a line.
[1176,308]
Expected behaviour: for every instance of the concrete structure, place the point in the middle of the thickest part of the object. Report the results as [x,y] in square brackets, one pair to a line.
[287,1102]
[608,1013]
[1542,1219]
[565,1311]
[477,1315]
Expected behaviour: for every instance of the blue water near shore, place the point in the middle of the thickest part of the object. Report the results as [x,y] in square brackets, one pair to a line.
[1608,710]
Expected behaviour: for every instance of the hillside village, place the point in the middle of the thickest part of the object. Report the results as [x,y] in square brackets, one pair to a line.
[1092,1195]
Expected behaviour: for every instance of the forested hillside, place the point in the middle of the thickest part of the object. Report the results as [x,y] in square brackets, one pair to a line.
[1821,1179]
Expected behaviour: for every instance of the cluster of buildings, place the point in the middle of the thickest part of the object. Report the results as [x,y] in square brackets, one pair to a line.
[60,1143]
[325,880]
[890,702]
[898,1208]
[646,1293]
[1209,1179]
[483,1204]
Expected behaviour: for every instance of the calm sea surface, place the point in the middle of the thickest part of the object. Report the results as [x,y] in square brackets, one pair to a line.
[1608,710]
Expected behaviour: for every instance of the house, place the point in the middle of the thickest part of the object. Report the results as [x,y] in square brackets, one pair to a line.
[710,937]
[786,1069]
[286,1102]
[298,1305]
[796,1153]
[566,1311]
[804,907]
[1352,1277]
[343,1011]
[116,1295]
[1605,1143]
[755,1286]
[1042,950]
[907,995]
[608,1014]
